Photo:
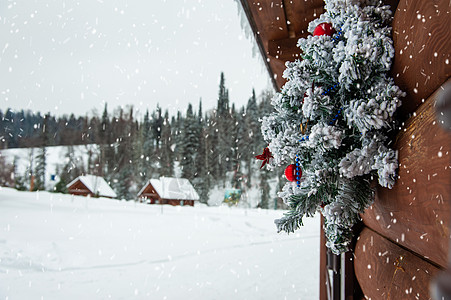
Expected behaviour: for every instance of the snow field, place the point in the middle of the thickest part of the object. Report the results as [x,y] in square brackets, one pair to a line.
[55,246]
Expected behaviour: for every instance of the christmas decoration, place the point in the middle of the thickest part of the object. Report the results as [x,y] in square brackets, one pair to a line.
[293,173]
[333,116]
[265,156]
[324,29]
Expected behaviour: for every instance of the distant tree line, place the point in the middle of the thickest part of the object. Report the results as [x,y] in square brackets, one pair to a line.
[211,148]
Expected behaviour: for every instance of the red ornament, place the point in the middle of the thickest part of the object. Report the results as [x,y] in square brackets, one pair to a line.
[291,173]
[324,29]
[265,156]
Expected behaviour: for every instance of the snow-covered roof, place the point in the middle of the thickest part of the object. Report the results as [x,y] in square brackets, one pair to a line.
[97,185]
[173,188]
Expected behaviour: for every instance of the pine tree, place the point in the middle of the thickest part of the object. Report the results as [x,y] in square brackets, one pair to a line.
[223,97]
[235,157]
[166,153]
[9,134]
[72,167]
[190,145]
[60,186]
[148,149]
[156,125]
[253,136]
[222,123]
[242,145]
[7,172]
[211,144]
[41,158]
[125,172]
[105,135]
[40,169]
[177,136]
[122,183]
[264,107]
[201,158]
[19,180]
[202,180]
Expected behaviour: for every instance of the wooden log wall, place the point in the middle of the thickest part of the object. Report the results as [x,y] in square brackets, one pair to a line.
[416,212]
[406,239]
[422,40]
[412,219]
[387,271]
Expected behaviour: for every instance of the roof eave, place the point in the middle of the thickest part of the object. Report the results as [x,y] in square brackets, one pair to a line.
[259,42]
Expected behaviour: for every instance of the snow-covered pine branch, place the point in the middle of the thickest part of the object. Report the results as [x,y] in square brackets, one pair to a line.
[333,116]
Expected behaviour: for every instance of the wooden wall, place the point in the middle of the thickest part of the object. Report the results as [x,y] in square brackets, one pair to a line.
[150,194]
[409,223]
[416,212]
[79,189]
[422,40]
[387,271]
[175,202]
[406,238]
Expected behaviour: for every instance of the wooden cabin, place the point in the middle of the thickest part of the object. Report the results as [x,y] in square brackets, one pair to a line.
[169,190]
[91,185]
[403,241]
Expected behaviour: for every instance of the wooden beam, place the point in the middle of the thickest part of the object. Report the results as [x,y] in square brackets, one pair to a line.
[416,212]
[269,16]
[387,271]
[422,39]
[285,49]
[300,13]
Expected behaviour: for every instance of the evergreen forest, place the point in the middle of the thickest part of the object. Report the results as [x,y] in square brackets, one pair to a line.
[211,148]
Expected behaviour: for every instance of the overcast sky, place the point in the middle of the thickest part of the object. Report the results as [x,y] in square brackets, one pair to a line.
[73,56]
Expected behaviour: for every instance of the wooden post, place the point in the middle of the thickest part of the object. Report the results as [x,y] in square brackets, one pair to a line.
[334,265]
[32,183]
[323,273]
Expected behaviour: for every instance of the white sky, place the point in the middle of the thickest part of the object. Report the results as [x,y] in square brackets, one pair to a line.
[73,56]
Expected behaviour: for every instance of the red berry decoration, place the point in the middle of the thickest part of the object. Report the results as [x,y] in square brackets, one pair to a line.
[293,173]
[324,29]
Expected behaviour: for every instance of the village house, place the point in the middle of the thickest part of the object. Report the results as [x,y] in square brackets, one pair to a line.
[169,190]
[91,185]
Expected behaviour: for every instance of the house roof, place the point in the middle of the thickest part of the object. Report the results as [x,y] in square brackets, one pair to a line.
[97,185]
[173,188]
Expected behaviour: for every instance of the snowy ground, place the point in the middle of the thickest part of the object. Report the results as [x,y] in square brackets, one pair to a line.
[55,246]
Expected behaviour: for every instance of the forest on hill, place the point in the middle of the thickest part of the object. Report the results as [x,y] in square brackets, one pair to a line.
[212,148]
